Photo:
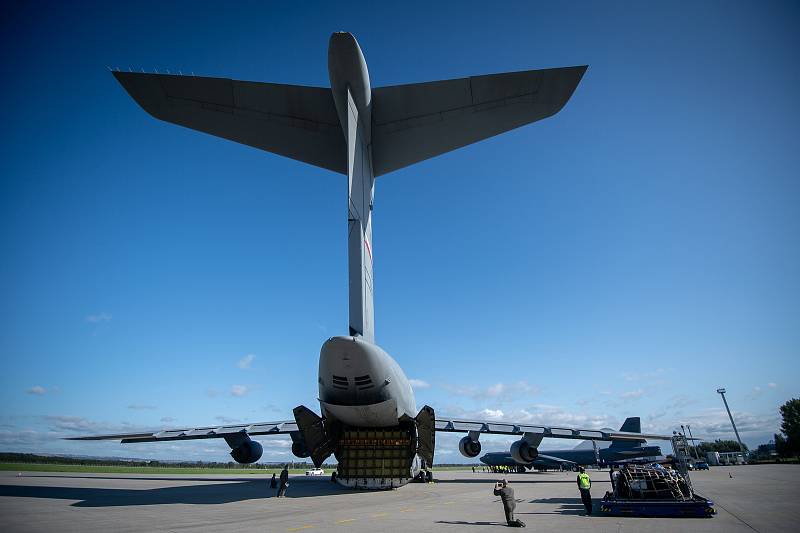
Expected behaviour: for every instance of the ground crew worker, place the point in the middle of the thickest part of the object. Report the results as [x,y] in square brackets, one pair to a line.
[284,481]
[615,473]
[584,485]
[273,482]
[506,494]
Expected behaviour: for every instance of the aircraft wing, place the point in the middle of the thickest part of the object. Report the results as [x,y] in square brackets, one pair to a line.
[289,120]
[453,425]
[552,459]
[212,432]
[411,123]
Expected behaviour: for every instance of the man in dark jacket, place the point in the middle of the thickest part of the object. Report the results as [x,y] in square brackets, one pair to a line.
[284,482]
[506,494]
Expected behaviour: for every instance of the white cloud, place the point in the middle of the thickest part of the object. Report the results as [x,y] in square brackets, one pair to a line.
[757,392]
[245,362]
[632,395]
[419,384]
[537,414]
[226,420]
[713,423]
[239,390]
[167,419]
[680,401]
[497,392]
[141,407]
[492,414]
[78,423]
[636,376]
[99,317]
[772,385]
[37,389]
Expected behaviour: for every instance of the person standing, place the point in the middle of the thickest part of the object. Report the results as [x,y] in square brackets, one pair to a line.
[585,485]
[615,473]
[284,482]
[273,482]
[506,494]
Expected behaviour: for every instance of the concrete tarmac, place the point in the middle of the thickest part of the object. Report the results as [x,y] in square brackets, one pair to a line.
[757,498]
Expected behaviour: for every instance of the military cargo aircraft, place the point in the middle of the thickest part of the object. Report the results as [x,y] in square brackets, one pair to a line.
[619,451]
[368,416]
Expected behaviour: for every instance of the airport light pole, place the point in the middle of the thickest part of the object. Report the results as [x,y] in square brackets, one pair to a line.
[722,392]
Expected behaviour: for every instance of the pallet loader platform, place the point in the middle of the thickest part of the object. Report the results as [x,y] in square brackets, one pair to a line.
[697,507]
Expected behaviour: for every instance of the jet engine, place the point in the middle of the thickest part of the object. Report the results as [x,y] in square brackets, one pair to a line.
[248,451]
[299,449]
[523,452]
[468,447]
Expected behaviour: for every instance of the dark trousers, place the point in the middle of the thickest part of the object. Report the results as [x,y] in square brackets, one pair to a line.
[281,490]
[510,520]
[509,513]
[586,498]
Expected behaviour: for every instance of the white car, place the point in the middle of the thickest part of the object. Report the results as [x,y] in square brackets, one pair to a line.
[315,472]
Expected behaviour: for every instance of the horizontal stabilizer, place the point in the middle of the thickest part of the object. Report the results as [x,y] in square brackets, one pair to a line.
[289,120]
[412,123]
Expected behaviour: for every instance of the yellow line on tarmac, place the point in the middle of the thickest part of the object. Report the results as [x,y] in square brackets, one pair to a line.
[307,526]
[346,520]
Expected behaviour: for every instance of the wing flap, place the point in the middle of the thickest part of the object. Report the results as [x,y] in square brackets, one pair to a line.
[289,120]
[415,122]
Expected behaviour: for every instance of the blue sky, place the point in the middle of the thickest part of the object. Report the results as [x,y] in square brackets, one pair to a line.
[625,257]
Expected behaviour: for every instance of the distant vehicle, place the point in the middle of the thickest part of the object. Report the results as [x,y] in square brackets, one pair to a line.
[315,472]
[702,465]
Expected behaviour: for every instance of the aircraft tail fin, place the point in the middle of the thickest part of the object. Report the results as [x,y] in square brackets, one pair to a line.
[632,424]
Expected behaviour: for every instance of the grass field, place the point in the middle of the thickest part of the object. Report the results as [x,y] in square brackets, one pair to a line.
[33,467]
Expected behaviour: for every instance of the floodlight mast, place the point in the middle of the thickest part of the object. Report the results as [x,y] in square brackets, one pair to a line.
[722,392]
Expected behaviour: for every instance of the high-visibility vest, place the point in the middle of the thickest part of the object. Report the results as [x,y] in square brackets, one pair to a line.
[583,480]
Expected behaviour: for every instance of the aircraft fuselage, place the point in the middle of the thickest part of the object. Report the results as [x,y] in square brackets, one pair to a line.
[361,385]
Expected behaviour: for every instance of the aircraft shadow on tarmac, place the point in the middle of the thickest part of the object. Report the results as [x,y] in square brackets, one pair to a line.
[463,523]
[569,506]
[216,493]
[513,481]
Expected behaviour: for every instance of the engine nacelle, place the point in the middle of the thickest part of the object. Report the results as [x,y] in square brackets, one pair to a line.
[247,452]
[299,449]
[523,452]
[469,448]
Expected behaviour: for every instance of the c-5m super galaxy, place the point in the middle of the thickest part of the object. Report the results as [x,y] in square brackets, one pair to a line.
[369,420]
[620,451]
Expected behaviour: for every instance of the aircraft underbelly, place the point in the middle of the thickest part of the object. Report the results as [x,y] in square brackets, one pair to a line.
[382,414]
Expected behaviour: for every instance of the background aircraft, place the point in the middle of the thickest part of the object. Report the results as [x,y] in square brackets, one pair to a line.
[369,419]
[619,450]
